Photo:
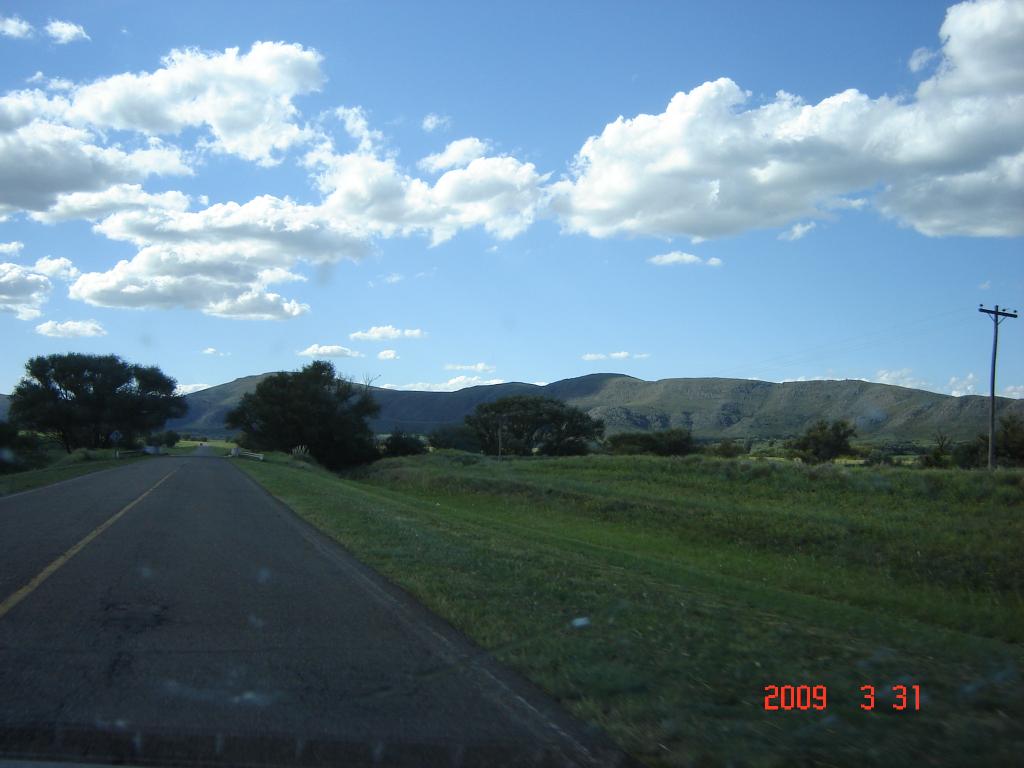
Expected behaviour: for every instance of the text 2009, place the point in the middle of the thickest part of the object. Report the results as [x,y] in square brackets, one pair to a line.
[806,697]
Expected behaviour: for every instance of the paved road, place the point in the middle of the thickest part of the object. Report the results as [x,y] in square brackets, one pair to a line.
[207,622]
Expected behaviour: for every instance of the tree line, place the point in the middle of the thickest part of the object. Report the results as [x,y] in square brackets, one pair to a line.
[81,401]
[87,400]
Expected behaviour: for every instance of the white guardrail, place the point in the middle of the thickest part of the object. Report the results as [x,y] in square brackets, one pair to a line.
[246,454]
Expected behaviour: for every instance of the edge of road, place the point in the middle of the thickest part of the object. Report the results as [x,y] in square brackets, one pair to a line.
[581,743]
[65,481]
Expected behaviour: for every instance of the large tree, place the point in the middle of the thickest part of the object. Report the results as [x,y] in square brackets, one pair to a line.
[81,399]
[524,424]
[314,408]
[824,441]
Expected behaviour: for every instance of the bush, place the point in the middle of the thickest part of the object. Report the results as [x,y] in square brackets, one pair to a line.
[667,442]
[524,424]
[458,437]
[970,455]
[823,441]
[728,449]
[169,439]
[403,444]
[19,451]
[879,457]
[938,457]
[313,407]
[301,453]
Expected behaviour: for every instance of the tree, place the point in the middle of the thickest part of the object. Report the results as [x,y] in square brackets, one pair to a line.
[823,441]
[456,436]
[728,449]
[312,407]
[939,456]
[81,399]
[400,443]
[663,442]
[1009,441]
[524,424]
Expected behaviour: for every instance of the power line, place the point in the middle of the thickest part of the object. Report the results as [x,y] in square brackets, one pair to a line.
[997,315]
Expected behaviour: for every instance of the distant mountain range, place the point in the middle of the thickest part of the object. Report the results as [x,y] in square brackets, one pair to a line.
[711,408]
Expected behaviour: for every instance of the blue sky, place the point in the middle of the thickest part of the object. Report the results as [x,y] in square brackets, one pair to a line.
[436,195]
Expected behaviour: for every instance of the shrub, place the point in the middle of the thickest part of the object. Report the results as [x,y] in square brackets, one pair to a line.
[728,449]
[879,457]
[970,455]
[457,436]
[938,457]
[18,450]
[823,441]
[313,407]
[524,425]
[169,439]
[667,442]
[403,444]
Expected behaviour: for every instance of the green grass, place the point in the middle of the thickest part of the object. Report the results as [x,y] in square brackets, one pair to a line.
[703,580]
[185,447]
[62,466]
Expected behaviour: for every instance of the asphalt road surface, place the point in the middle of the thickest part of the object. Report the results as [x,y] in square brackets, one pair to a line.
[171,612]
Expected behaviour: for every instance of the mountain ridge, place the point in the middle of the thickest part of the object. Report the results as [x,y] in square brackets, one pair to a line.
[711,407]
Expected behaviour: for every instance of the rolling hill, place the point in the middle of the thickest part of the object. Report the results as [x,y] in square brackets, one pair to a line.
[712,408]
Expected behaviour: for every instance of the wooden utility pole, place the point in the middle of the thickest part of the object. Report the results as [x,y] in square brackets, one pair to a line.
[997,315]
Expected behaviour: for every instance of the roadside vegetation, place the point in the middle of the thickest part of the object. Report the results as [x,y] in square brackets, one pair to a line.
[54,464]
[313,408]
[71,412]
[93,401]
[657,596]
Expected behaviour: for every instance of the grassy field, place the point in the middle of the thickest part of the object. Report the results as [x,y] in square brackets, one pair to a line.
[62,466]
[657,597]
[185,447]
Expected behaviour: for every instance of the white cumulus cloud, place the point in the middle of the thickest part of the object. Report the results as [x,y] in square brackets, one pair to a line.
[220,260]
[797,231]
[23,291]
[921,58]
[71,329]
[119,197]
[59,268]
[11,248]
[1015,391]
[948,161]
[621,355]
[386,333]
[433,122]
[387,354]
[42,157]
[680,257]
[243,99]
[476,367]
[458,382]
[901,378]
[64,32]
[13,26]
[328,350]
[458,154]
[960,386]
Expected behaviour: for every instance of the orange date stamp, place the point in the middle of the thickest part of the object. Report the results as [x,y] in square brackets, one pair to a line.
[787,698]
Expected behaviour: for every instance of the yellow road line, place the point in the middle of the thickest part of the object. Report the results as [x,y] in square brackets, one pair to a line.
[53,567]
